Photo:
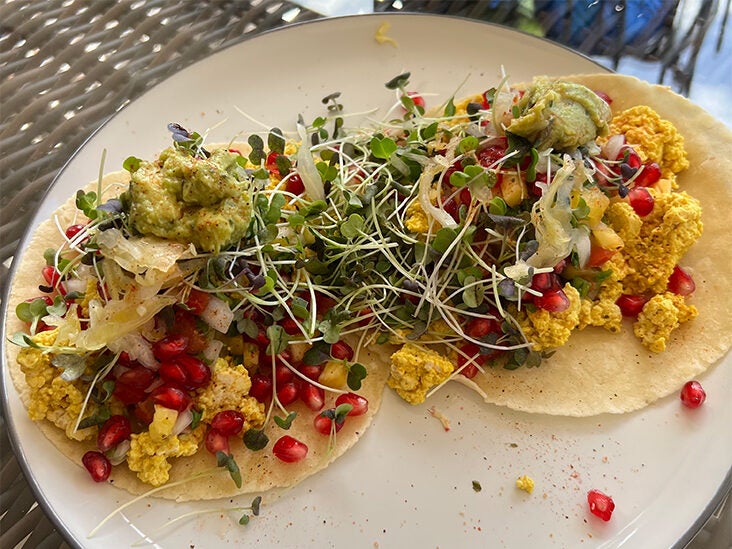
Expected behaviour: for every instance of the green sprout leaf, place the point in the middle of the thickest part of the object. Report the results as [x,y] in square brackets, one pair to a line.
[131,164]
[356,374]
[87,203]
[255,439]
[398,82]
[228,461]
[278,340]
[285,423]
[382,147]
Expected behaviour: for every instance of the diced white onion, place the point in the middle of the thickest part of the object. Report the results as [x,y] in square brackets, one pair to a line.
[213,350]
[611,148]
[183,420]
[137,347]
[119,453]
[217,314]
[75,285]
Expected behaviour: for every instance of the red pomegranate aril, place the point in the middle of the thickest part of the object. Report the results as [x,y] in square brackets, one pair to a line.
[128,394]
[50,275]
[170,347]
[605,97]
[554,301]
[543,282]
[73,230]
[197,301]
[360,405]
[417,99]
[271,162]
[479,327]
[137,376]
[288,393]
[311,371]
[294,184]
[228,422]
[261,388]
[197,371]
[312,396]
[601,505]
[97,464]
[641,201]
[492,153]
[452,208]
[116,429]
[172,372]
[216,441]
[289,325]
[631,158]
[289,450]
[692,394]
[649,175]
[186,325]
[340,350]
[170,396]
[323,424]
[283,374]
[631,304]
[680,282]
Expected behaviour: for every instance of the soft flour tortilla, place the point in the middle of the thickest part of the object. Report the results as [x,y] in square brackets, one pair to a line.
[261,471]
[598,372]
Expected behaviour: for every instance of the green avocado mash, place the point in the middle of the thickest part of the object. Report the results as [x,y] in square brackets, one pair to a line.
[203,201]
[560,115]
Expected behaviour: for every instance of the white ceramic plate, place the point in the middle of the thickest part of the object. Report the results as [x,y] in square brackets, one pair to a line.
[408,483]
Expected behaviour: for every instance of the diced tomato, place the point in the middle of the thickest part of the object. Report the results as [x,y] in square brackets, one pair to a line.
[599,256]
[197,301]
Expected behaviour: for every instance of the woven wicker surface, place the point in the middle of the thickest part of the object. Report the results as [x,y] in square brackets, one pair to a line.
[68,65]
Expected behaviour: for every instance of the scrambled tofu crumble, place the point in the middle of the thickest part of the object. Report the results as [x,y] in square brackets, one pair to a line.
[415,370]
[525,483]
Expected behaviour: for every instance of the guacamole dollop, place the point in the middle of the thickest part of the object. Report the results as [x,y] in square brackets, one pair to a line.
[560,115]
[203,201]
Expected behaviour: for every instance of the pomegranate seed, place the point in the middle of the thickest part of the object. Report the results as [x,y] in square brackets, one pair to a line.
[197,371]
[172,372]
[323,424]
[631,158]
[473,353]
[479,327]
[417,99]
[290,326]
[228,422]
[288,393]
[128,394]
[601,505]
[216,441]
[261,387]
[289,450]
[185,325]
[170,347]
[452,208]
[311,371]
[605,97]
[631,305]
[197,301]
[98,465]
[283,374]
[170,396]
[294,184]
[271,162]
[493,153]
[312,396]
[137,376]
[650,174]
[641,201]
[692,394]
[360,405]
[553,301]
[73,230]
[680,282]
[51,275]
[341,350]
[116,429]
[543,282]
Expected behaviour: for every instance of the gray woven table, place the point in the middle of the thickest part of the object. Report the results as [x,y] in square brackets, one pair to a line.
[67,66]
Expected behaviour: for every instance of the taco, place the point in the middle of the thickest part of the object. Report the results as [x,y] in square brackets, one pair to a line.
[129,352]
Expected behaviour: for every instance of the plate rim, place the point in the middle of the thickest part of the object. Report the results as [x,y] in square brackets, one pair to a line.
[6,383]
